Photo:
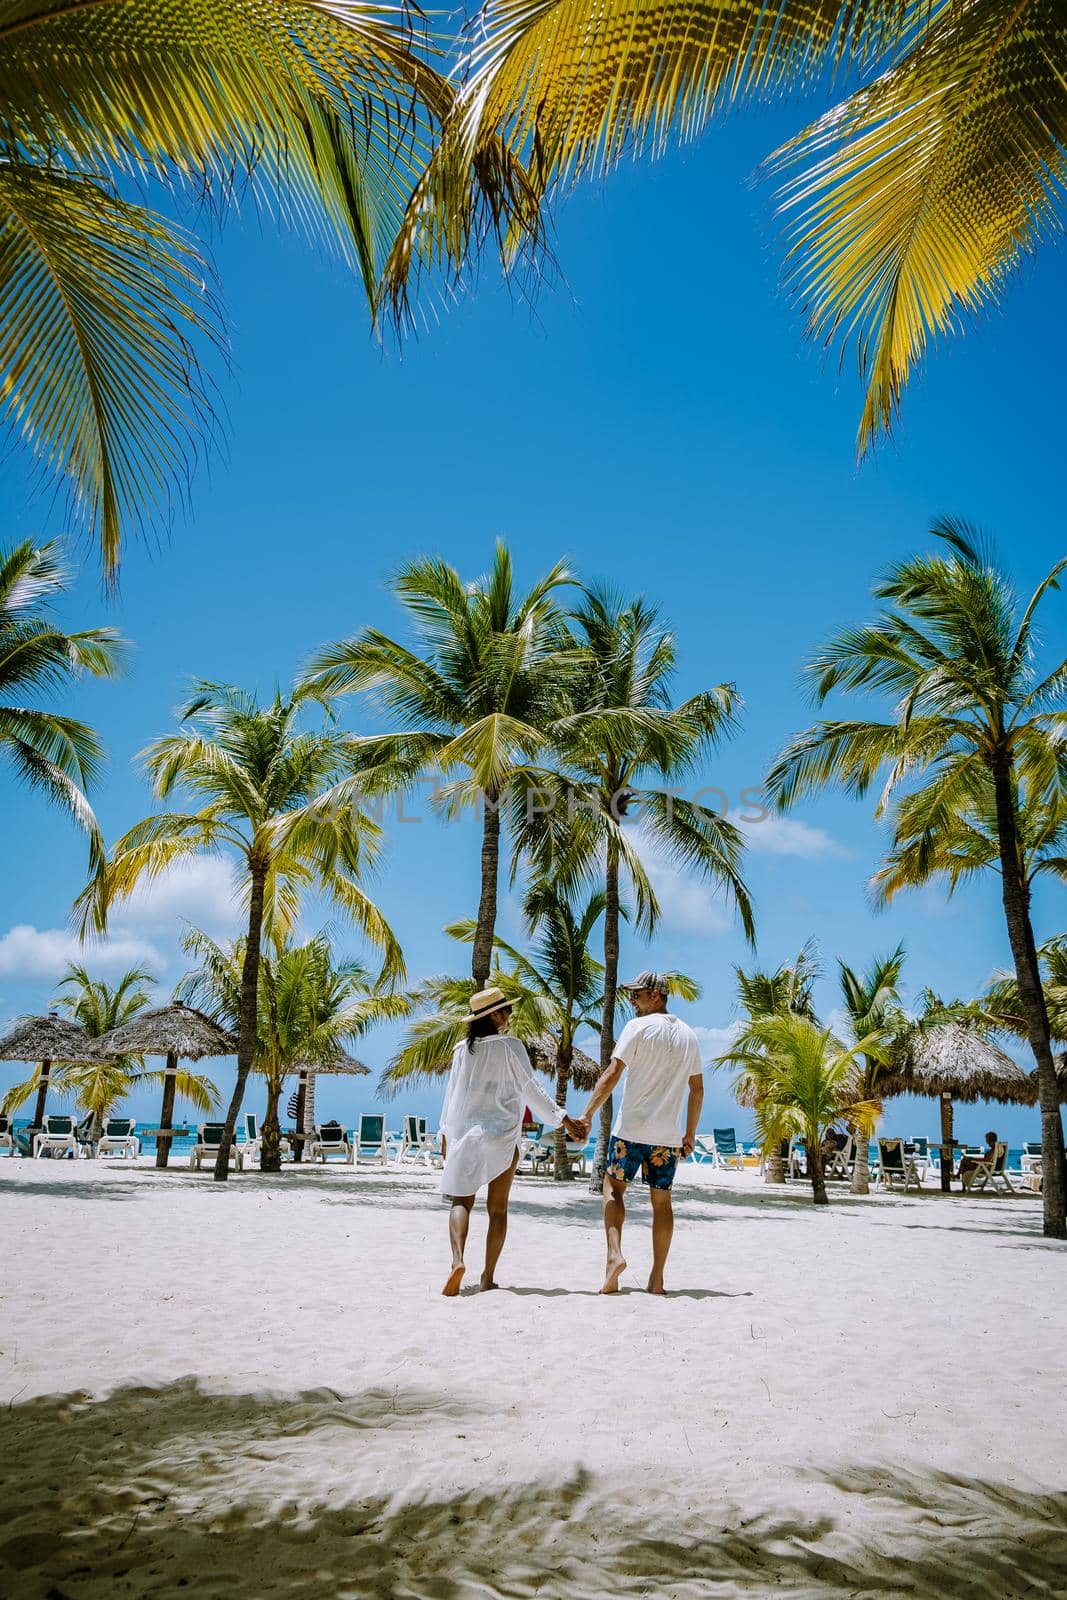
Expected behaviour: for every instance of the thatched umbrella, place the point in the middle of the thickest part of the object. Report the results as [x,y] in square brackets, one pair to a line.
[952,1062]
[1060,1063]
[342,1064]
[177,1032]
[45,1040]
[541,1049]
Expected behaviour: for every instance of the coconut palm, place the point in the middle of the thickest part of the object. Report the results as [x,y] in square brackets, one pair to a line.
[311,1006]
[800,1079]
[270,795]
[956,650]
[321,110]
[622,738]
[476,693]
[913,200]
[871,1001]
[53,752]
[784,992]
[98,1086]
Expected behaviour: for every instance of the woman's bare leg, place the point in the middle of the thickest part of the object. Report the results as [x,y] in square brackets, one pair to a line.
[458,1222]
[496,1203]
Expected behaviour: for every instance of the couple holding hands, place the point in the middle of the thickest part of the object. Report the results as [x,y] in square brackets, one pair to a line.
[491,1083]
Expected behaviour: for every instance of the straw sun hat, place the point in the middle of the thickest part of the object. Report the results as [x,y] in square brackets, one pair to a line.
[485,1001]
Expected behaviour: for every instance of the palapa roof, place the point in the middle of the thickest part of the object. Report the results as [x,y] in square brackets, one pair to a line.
[1060,1063]
[541,1049]
[342,1065]
[50,1038]
[953,1059]
[169,1030]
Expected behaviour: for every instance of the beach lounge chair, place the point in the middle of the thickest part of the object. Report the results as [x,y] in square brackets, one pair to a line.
[119,1139]
[896,1166]
[842,1161]
[577,1155]
[414,1140]
[58,1136]
[370,1141]
[992,1170]
[796,1158]
[535,1152]
[330,1139]
[1031,1157]
[252,1149]
[727,1151]
[7,1137]
[704,1148]
[208,1139]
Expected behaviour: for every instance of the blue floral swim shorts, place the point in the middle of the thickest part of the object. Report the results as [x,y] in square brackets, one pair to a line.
[658,1162]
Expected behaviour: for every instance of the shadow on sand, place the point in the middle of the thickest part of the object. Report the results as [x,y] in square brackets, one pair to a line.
[153,1491]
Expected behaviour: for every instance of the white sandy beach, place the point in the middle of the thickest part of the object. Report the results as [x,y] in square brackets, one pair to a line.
[258,1390]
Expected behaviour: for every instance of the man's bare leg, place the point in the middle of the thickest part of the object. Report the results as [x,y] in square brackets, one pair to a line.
[614,1217]
[459,1219]
[496,1202]
[662,1234]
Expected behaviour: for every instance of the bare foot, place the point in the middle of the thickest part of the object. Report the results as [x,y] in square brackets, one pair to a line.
[486,1283]
[455,1278]
[614,1272]
[656,1286]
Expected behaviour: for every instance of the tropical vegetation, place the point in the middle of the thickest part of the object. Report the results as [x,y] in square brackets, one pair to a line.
[267,791]
[49,750]
[955,649]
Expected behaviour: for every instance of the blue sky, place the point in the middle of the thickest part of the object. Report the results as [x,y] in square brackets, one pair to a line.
[656,418]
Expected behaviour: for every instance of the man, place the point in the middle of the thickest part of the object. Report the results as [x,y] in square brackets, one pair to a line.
[663,1058]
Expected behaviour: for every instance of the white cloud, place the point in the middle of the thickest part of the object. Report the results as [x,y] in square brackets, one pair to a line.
[199,890]
[27,952]
[687,903]
[714,1041]
[785,836]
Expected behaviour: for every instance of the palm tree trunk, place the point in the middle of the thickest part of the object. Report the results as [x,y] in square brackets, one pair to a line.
[861,1166]
[1015,893]
[816,1172]
[270,1151]
[607,1021]
[301,1103]
[482,953]
[248,1017]
[42,1096]
[562,1168]
[166,1114]
[948,1139]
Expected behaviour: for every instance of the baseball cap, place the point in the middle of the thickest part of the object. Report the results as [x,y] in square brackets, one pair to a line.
[648,980]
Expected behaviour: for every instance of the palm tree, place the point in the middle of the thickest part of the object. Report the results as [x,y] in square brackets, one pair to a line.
[915,197]
[622,736]
[477,694]
[872,1005]
[956,650]
[52,752]
[321,112]
[310,1006]
[98,1086]
[272,794]
[784,992]
[801,1080]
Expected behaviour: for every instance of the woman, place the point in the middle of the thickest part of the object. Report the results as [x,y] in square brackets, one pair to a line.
[489,1087]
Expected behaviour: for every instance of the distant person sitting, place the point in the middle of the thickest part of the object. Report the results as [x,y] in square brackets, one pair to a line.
[970,1164]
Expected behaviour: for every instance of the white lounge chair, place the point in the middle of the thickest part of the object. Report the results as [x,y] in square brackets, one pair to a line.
[920,1153]
[58,1136]
[796,1158]
[370,1141]
[704,1148]
[208,1140]
[991,1170]
[332,1140]
[896,1166]
[842,1161]
[119,1139]
[7,1136]
[414,1140]
[252,1149]
[726,1150]
[1030,1160]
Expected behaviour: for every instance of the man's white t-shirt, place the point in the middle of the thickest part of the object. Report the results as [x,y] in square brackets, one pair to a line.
[661,1053]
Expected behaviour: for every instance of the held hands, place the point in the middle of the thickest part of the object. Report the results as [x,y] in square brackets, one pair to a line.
[576,1128]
